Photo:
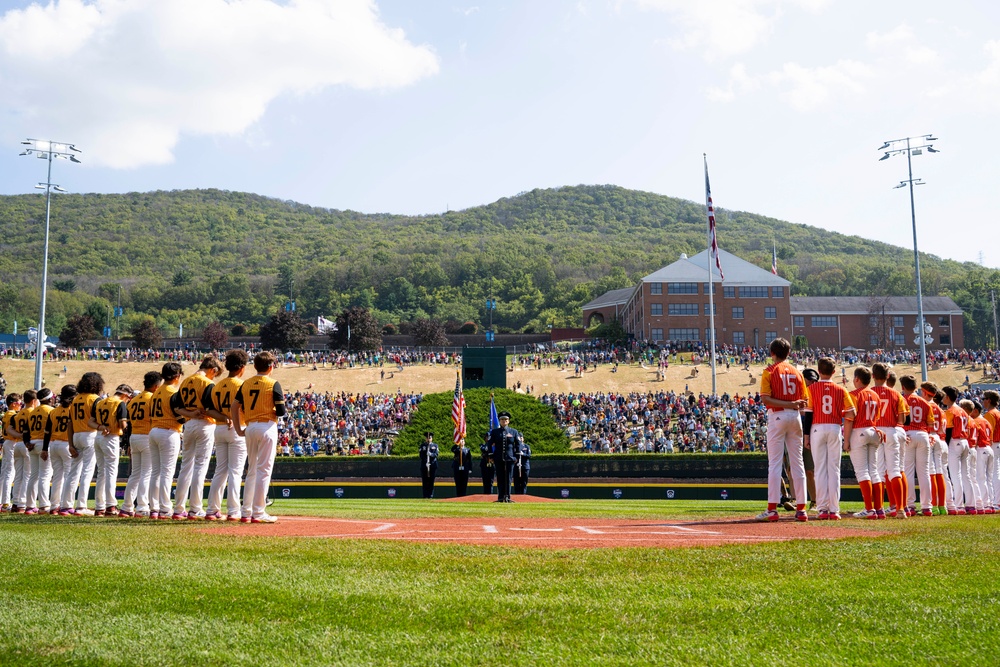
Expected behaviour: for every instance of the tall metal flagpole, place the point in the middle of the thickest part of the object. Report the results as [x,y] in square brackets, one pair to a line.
[711,281]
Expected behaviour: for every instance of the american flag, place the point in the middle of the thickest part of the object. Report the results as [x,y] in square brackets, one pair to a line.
[712,241]
[774,259]
[458,410]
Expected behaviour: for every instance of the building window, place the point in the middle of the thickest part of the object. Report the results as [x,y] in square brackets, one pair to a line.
[945,339]
[708,336]
[737,312]
[899,340]
[656,334]
[942,321]
[753,292]
[824,321]
[873,340]
[778,292]
[683,334]
[770,313]
[800,321]
[681,309]
[728,292]
[656,308]
[873,320]
[897,320]
[715,288]
[682,288]
[656,288]
[715,309]
[739,338]
[769,336]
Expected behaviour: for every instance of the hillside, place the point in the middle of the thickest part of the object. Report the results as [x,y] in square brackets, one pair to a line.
[198,255]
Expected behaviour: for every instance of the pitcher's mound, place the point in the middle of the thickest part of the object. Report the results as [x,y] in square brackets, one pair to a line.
[483,498]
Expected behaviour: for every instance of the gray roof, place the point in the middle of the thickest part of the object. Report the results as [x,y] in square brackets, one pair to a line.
[738,272]
[616,297]
[863,305]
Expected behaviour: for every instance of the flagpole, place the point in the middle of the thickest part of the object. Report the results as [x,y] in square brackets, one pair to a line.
[711,281]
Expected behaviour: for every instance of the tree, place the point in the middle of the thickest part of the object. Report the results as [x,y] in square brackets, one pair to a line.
[78,330]
[215,335]
[612,332]
[67,285]
[239,330]
[429,333]
[146,334]
[356,330]
[284,331]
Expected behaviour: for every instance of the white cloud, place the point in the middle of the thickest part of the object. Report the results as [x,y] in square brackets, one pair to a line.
[724,28]
[901,42]
[803,88]
[125,79]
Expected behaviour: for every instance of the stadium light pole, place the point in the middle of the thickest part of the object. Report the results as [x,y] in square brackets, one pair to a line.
[46,150]
[899,147]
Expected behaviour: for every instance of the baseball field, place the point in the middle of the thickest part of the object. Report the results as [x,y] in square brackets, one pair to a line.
[445,582]
[400,582]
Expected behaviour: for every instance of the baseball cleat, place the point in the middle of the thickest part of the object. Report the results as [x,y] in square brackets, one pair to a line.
[213,516]
[954,512]
[179,516]
[4,509]
[65,512]
[31,510]
[245,519]
[970,510]
[154,515]
[233,517]
[926,512]
[834,516]
[98,512]
[865,514]
[16,510]
[126,514]
[767,515]
[823,516]
[264,518]
[196,516]
[879,514]
[801,515]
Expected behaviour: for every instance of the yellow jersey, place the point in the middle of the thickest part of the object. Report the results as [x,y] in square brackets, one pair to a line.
[139,414]
[57,424]
[162,405]
[82,409]
[262,399]
[195,393]
[22,420]
[224,393]
[36,421]
[109,413]
[9,421]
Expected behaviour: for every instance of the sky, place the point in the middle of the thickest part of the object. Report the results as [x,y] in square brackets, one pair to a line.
[421,106]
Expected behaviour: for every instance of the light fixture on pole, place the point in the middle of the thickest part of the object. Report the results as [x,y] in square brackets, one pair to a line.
[906,146]
[46,150]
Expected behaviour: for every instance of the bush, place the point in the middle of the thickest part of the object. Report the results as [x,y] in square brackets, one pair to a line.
[389,329]
[469,328]
[528,415]
[239,330]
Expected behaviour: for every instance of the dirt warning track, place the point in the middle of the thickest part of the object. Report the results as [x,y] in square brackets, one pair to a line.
[554,533]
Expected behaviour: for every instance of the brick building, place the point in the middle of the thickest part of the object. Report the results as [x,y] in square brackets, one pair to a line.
[754,306]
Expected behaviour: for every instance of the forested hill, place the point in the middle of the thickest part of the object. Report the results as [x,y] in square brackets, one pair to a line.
[200,255]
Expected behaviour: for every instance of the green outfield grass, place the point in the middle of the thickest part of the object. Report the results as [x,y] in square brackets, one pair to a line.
[120,592]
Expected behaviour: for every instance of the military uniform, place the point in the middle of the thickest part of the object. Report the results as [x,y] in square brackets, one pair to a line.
[461,466]
[428,465]
[504,441]
[522,466]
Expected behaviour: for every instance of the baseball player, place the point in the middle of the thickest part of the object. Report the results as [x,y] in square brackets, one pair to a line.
[40,468]
[22,460]
[865,439]
[831,416]
[960,462]
[940,482]
[991,403]
[82,439]
[917,448]
[10,438]
[984,456]
[230,448]
[111,419]
[199,438]
[140,419]
[890,422]
[168,413]
[260,398]
[783,391]
[55,447]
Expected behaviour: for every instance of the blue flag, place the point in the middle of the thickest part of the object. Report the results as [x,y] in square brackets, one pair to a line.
[494,420]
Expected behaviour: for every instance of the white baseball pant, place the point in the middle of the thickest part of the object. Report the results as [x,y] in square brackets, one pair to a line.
[167,444]
[262,445]
[39,478]
[230,457]
[137,487]
[826,447]
[81,472]
[196,450]
[917,463]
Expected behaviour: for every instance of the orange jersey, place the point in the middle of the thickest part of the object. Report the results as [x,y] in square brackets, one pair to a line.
[868,406]
[781,381]
[958,421]
[830,402]
[940,419]
[921,414]
[984,432]
[894,408]
[993,417]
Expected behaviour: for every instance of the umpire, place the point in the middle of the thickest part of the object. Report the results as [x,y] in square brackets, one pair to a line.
[461,466]
[504,441]
[428,464]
